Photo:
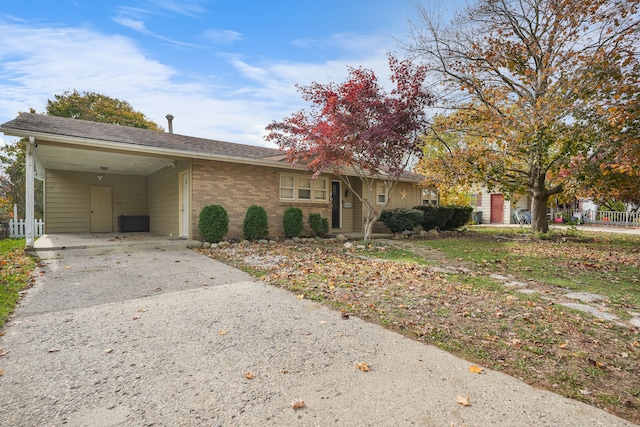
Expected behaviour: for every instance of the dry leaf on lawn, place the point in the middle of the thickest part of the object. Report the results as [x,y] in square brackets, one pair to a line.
[464,401]
[297,404]
[362,366]
[249,375]
[475,369]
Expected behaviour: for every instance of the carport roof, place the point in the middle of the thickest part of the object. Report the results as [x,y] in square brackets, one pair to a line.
[27,124]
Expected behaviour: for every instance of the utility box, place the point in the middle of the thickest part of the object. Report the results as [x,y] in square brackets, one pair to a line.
[128,223]
[477,217]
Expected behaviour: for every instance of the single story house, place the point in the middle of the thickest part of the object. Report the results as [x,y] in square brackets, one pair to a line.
[102,178]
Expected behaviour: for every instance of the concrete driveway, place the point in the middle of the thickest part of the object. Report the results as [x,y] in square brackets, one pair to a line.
[156,334]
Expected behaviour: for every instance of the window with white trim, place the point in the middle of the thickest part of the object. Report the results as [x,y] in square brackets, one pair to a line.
[304,189]
[287,187]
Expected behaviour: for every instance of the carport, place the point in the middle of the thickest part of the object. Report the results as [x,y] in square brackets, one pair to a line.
[102,178]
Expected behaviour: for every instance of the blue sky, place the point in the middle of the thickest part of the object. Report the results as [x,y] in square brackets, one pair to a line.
[223,68]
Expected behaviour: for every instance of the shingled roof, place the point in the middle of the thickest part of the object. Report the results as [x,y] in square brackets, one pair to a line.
[27,123]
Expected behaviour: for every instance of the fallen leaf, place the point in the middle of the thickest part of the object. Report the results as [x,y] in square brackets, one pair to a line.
[597,364]
[464,401]
[109,350]
[1,372]
[53,350]
[297,404]
[3,352]
[345,316]
[66,266]
[301,296]
[585,392]
[222,332]
[475,369]
[142,310]
[136,317]
[362,366]
[563,345]
[249,375]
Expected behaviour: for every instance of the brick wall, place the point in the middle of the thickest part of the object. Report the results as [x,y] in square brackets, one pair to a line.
[236,187]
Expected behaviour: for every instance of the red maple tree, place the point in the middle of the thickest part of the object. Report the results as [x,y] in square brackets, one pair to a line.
[359,131]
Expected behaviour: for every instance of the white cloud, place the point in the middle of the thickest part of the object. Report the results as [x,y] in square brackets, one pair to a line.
[222,36]
[134,24]
[37,63]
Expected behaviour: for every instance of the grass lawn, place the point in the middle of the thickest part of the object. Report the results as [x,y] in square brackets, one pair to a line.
[15,272]
[476,317]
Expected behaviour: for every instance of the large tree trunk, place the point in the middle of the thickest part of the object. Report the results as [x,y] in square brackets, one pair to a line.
[539,220]
[540,195]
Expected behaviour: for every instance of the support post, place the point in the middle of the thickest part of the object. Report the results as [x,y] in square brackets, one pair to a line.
[29,196]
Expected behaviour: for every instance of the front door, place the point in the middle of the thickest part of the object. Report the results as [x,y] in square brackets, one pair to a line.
[184,204]
[497,209]
[101,210]
[335,204]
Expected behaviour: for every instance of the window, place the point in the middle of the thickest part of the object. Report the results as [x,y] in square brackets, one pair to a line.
[287,187]
[479,199]
[381,194]
[320,189]
[303,188]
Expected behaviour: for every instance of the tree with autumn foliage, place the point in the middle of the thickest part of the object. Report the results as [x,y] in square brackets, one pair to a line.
[359,131]
[529,86]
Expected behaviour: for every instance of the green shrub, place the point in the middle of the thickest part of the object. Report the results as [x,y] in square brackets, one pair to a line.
[256,225]
[213,223]
[319,225]
[292,222]
[460,216]
[435,217]
[398,220]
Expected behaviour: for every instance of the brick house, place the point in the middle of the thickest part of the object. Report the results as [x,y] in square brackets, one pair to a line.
[104,178]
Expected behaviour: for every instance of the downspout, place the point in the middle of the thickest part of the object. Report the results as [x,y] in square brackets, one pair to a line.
[29,224]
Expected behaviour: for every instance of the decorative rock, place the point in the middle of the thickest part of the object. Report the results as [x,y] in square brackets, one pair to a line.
[194,244]
[296,239]
[206,245]
[432,232]
[348,245]
[341,238]
[423,233]
[273,242]
[263,241]
[244,243]
[361,247]
[214,246]
[224,244]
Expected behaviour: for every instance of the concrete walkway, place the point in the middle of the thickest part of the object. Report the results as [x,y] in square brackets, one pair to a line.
[156,334]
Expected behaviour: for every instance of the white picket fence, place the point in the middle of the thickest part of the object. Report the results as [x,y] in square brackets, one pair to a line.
[17,228]
[600,217]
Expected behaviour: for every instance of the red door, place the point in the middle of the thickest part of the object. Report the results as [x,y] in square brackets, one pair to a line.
[497,209]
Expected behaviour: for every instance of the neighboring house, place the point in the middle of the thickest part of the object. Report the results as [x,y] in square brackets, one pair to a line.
[102,178]
[494,208]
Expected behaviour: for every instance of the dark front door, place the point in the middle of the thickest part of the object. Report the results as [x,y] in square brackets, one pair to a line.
[335,204]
